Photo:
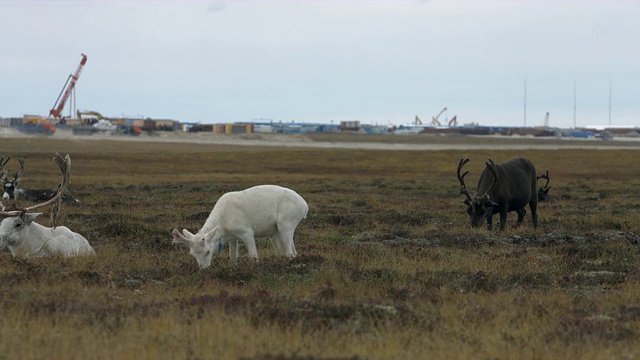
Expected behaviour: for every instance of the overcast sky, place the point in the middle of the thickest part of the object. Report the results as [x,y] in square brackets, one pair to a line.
[319,61]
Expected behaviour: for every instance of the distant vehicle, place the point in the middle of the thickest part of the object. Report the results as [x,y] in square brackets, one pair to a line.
[42,129]
[104,125]
[100,127]
[89,117]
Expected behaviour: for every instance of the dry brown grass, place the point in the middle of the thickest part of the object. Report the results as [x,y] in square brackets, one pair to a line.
[387,269]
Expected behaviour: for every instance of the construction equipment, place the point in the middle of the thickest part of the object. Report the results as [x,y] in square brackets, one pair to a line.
[92,122]
[89,117]
[56,111]
[417,121]
[130,128]
[453,121]
[435,121]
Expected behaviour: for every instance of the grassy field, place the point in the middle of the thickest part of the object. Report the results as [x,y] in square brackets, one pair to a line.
[387,268]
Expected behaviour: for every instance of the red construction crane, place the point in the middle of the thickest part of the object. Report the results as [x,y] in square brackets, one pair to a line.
[67,89]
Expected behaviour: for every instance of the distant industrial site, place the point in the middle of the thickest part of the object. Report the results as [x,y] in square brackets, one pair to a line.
[90,122]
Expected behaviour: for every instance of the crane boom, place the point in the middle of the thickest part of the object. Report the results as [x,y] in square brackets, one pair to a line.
[440,113]
[56,111]
[435,121]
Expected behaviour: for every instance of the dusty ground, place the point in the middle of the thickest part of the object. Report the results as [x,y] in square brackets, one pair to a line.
[391,142]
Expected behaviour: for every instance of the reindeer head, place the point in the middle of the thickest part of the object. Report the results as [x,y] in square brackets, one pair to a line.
[10,186]
[543,192]
[479,207]
[201,246]
[26,214]
[11,229]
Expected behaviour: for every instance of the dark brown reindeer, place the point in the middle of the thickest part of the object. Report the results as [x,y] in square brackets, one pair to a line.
[12,192]
[502,188]
[10,185]
[543,192]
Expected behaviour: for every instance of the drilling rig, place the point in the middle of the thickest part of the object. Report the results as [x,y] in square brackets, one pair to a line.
[67,89]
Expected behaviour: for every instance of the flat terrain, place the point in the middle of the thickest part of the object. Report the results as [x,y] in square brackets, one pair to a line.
[388,267]
[355,141]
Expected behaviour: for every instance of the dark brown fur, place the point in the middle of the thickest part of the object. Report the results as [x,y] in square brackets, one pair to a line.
[502,188]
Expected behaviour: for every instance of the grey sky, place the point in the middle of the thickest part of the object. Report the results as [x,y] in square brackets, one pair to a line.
[318,61]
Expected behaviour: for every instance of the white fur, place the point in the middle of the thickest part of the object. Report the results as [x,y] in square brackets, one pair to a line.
[26,238]
[261,211]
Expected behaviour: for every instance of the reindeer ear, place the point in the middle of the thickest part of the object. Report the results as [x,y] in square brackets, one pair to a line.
[186,232]
[29,217]
[211,234]
[487,201]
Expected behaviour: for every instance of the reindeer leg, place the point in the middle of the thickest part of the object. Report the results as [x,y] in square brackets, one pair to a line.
[250,243]
[503,216]
[286,239]
[521,213]
[233,251]
[533,205]
[277,243]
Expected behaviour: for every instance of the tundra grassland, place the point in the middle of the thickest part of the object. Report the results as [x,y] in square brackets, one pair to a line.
[387,265]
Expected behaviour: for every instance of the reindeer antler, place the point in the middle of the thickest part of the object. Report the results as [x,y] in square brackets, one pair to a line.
[492,168]
[463,188]
[64,163]
[18,174]
[3,162]
[3,179]
[546,177]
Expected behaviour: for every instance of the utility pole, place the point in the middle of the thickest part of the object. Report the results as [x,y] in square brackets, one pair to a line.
[525,102]
[574,102]
[610,102]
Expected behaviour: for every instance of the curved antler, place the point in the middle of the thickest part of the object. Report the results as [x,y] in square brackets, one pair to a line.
[546,177]
[18,174]
[3,179]
[64,163]
[492,168]
[5,212]
[463,188]
[3,162]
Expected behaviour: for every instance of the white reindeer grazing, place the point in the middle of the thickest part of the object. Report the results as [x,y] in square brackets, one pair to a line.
[261,211]
[26,238]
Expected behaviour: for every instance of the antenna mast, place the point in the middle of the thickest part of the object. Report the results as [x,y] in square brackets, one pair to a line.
[610,102]
[574,103]
[525,102]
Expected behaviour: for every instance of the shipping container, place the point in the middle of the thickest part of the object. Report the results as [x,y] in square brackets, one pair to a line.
[238,128]
[34,120]
[353,125]
[201,128]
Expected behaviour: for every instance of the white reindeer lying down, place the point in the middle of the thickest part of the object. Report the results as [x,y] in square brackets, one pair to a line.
[26,238]
[261,211]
